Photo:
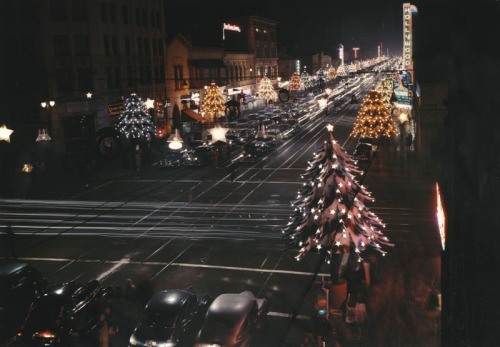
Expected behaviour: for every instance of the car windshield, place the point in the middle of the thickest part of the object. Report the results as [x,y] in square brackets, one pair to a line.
[166,317]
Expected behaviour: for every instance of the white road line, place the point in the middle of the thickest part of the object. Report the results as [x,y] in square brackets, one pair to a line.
[116,266]
[220,267]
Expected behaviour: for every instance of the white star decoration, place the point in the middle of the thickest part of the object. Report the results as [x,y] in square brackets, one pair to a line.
[5,133]
[329,127]
[149,103]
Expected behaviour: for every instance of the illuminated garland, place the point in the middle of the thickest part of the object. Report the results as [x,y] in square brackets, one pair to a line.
[266,90]
[295,83]
[330,214]
[135,122]
[213,103]
[374,120]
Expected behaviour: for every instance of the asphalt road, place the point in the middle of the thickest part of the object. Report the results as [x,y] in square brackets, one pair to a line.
[183,227]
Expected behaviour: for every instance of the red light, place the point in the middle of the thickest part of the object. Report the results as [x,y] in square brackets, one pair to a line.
[321,302]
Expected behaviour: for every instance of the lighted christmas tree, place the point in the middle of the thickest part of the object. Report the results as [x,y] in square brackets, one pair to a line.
[332,74]
[135,122]
[330,212]
[305,79]
[351,68]
[320,74]
[374,119]
[295,83]
[385,89]
[342,70]
[266,90]
[213,103]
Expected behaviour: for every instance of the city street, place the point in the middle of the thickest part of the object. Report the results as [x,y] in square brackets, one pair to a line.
[219,229]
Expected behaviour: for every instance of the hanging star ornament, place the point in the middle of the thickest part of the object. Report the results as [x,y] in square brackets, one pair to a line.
[218,134]
[329,127]
[149,103]
[5,133]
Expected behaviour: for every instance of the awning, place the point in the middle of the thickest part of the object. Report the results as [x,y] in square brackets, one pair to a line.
[196,116]
[206,63]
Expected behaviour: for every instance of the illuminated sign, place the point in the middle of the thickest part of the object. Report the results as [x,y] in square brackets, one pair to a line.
[441,218]
[341,53]
[297,66]
[378,48]
[355,49]
[232,27]
[408,9]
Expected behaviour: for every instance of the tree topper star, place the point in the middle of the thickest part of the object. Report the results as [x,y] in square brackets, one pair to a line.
[329,127]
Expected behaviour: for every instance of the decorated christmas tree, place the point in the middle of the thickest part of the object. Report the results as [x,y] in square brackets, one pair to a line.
[374,119]
[321,74]
[213,103]
[351,68]
[305,79]
[330,213]
[332,74]
[135,122]
[266,90]
[295,83]
[342,70]
[385,89]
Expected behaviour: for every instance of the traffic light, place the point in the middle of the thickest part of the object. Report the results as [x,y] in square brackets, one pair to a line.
[322,302]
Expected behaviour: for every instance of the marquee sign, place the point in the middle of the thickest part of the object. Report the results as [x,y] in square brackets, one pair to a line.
[232,27]
[408,9]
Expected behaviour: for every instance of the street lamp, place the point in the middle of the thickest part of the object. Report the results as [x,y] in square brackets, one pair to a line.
[48,105]
[175,141]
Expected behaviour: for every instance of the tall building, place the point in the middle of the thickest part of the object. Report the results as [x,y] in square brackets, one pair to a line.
[257,36]
[86,56]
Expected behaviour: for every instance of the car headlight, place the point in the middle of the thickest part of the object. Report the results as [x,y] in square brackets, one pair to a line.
[133,341]
[166,344]
[207,345]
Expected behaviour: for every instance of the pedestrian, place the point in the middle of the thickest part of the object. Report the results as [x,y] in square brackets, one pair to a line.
[409,140]
[145,290]
[137,157]
[103,331]
[11,243]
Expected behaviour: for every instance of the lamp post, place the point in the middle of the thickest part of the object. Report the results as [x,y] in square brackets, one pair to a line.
[48,105]
[175,141]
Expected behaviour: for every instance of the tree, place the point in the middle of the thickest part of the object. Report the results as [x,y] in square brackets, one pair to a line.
[374,119]
[305,79]
[332,74]
[213,103]
[135,122]
[321,74]
[295,84]
[385,89]
[342,70]
[266,90]
[330,210]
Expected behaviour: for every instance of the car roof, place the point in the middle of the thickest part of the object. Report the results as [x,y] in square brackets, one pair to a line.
[169,298]
[9,268]
[237,305]
[63,289]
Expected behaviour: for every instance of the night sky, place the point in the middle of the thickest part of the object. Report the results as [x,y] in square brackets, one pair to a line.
[305,27]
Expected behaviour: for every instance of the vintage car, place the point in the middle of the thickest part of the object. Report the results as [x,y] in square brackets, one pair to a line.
[363,152]
[232,320]
[200,156]
[175,158]
[63,314]
[171,318]
[20,284]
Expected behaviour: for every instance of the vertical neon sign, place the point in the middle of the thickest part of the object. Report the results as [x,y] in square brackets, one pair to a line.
[408,9]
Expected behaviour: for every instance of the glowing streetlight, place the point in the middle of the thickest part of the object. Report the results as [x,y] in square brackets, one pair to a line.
[175,141]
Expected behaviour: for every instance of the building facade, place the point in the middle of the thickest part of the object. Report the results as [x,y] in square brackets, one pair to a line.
[92,55]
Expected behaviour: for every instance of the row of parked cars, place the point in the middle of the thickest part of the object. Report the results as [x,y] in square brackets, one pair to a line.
[67,313]
[258,134]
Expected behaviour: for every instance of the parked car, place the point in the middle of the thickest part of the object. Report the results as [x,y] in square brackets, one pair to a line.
[363,152]
[63,314]
[254,150]
[232,320]
[200,156]
[171,318]
[20,284]
[175,158]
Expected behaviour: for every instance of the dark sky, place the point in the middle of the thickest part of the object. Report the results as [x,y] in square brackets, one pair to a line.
[307,26]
